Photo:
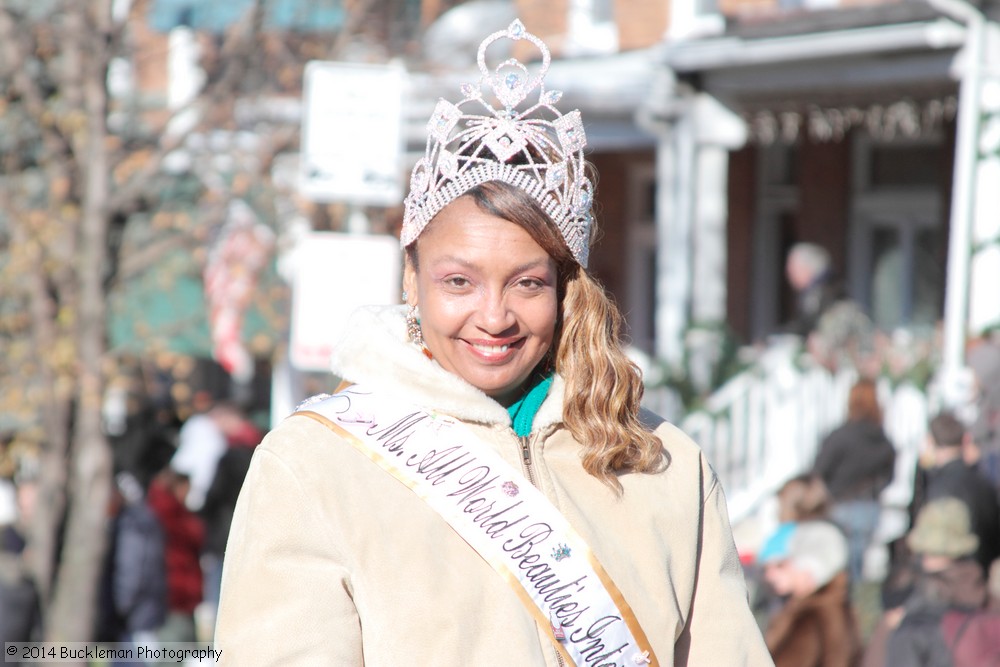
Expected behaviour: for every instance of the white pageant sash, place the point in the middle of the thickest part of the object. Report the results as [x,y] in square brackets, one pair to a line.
[501,515]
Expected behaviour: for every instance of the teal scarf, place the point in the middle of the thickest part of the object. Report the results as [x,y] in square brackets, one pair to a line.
[522,412]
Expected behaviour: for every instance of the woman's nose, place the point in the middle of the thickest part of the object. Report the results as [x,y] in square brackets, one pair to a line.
[495,316]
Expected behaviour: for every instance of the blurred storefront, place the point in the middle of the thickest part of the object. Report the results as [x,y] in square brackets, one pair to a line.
[833,123]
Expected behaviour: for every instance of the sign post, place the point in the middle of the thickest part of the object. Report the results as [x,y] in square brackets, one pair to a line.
[334,275]
[351,152]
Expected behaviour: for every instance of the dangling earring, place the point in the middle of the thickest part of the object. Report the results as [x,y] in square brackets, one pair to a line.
[413,329]
[413,326]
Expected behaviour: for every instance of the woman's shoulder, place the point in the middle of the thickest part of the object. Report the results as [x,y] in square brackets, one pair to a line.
[301,442]
[675,440]
[682,455]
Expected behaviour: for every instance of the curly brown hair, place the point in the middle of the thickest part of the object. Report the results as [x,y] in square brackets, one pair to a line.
[603,386]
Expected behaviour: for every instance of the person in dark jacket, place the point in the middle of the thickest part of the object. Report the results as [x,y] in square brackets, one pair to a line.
[949,589]
[134,587]
[220,502]
[951,476]
[20,613]
[856,462]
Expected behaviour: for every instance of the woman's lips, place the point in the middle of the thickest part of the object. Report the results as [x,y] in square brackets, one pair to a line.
[494,351]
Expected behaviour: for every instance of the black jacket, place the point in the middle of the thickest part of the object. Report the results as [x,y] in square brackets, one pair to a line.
[134,589]
[856,461]
[220,501]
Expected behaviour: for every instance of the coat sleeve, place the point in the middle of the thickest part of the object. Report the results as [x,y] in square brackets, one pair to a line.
[720,629]
[286,593]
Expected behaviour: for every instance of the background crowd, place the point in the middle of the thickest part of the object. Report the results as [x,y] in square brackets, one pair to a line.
[938,601]
[168,522]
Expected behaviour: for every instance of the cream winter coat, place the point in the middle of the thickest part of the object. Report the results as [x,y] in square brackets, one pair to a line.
[331,561]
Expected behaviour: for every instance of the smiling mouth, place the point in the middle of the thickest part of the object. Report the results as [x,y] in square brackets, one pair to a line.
[494,352]
[491,349]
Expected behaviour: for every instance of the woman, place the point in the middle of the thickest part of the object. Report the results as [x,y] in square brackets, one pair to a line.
[856,462]
[815,627]
[486,493]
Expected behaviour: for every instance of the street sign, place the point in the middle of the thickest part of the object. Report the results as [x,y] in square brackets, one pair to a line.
[333,275]
[352,133]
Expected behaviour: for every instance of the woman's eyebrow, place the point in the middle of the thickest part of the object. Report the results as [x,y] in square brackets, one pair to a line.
[527,266]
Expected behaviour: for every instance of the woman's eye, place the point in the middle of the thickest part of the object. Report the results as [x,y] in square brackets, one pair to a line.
[530,283]
[457,281]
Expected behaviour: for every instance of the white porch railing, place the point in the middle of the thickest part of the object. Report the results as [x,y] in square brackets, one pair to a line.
[765,425]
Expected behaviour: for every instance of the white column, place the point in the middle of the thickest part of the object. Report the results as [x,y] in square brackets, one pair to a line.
[675,165]
[984,270]
[717,130]
[708,299]
[956,303]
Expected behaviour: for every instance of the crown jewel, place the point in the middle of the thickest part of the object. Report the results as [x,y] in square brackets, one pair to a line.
[538,150]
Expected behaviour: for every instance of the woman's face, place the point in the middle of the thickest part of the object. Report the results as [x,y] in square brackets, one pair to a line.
[786,579]
[487,295]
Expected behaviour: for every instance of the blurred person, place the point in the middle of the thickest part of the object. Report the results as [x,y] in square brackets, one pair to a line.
[202,442]
[456,504]
[802,498]
[134,585]
[184,538]
[950,475]
[220,503]
[993,587]
[837,332]
[984,360]
[927,630]
[810,273]
[973,637]
[805,497]
[815,627]
[974,633]
[20,605]
[856,462]
[764,601]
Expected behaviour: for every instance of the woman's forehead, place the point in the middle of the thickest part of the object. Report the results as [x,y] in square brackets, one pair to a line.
[481,243]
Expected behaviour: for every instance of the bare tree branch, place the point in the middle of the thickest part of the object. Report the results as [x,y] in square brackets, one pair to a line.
[16,50]
[239,47]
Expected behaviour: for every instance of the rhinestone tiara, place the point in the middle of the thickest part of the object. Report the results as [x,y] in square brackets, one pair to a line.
[538,150]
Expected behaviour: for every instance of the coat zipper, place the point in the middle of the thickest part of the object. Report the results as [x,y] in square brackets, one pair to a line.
[525,441]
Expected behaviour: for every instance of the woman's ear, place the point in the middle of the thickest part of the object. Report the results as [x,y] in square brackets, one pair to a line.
[409,280]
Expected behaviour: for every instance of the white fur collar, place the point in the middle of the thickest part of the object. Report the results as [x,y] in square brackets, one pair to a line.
[374,351]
